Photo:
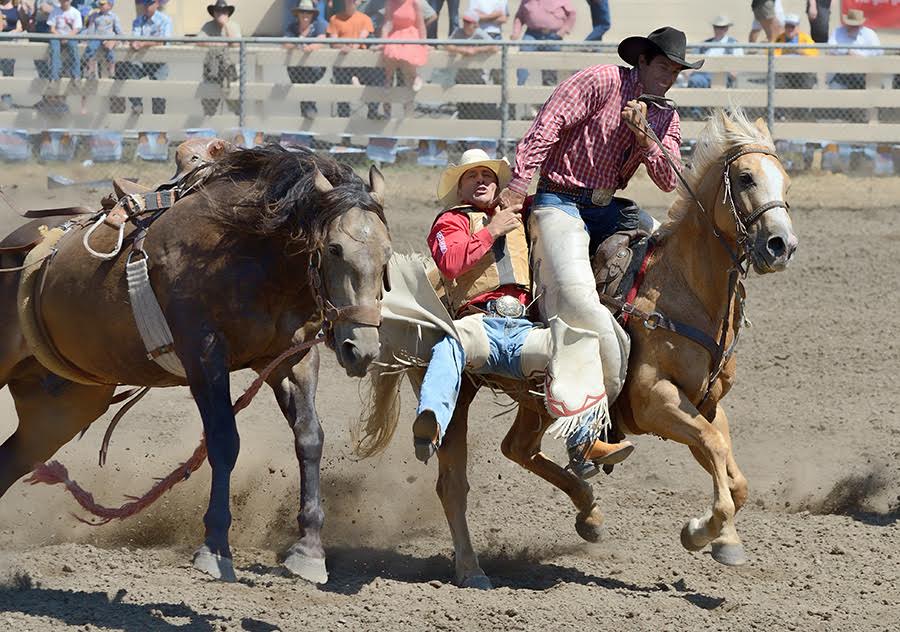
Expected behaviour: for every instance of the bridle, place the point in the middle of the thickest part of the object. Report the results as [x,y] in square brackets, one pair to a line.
[331,314]
[740,258]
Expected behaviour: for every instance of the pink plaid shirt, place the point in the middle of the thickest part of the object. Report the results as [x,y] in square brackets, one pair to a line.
[579,139]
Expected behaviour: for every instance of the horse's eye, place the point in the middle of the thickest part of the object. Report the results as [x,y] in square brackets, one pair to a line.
[335,250]
[746,180]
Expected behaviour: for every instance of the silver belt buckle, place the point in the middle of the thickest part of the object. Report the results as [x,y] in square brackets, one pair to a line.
[601,197]
[509,307]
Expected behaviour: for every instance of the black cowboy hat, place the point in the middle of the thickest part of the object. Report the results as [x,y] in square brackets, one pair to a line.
[220,4]
[667,41]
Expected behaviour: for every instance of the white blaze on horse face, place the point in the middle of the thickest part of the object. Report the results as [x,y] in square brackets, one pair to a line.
[776,220]
[773,239]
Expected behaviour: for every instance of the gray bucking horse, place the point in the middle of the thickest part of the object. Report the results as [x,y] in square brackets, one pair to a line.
[243,267]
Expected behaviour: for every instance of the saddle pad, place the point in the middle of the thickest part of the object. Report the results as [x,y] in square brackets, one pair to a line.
[27,236]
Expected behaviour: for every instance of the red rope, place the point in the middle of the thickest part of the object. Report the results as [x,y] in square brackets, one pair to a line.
[54,472]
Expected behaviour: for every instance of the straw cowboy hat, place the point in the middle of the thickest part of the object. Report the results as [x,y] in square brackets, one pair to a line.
[220,4]
[305,6]
[854,17]
[449,182]
[666,40]
[722,21]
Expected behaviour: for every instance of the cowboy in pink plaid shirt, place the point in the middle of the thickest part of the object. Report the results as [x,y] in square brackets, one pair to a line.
[586,146]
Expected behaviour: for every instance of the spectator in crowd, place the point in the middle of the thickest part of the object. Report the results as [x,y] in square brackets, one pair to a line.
[819,14]
[348,23]
[306,25]
[102,22]
[600,20]
[150,22]
[470,30]
[769,17]
[543,20]
[64,20]
[219,64]
[375,10]
[453,8]
[853,33]
[721,24]
[10,21]
[492,14]
[404,21]
[793,35]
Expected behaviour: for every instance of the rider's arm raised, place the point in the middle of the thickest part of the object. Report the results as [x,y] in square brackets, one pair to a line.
[571,103]
[657,166]
[454,249]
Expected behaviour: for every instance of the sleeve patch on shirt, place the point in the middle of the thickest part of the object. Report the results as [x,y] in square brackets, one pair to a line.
[442,245]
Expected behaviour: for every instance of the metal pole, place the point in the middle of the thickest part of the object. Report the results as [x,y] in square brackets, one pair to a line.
[504,96]
[770,90]
[242,84]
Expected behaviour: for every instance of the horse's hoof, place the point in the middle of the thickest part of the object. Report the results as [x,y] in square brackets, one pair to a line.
[478,582]
[687,537]
[589,524]
[312,569]
[729,554]
[213,564]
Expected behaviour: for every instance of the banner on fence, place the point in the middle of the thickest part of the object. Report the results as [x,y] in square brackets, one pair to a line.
[295,139]
[105,146]
[432,152]
[58,144]
[153,146]
[382,149]
[488,145]
[14,144]
[246,138]
[200,132]
[880,14]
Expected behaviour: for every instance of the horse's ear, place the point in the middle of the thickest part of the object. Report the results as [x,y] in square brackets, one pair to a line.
[762,127]
[376,185]
[322,183]
[727,123]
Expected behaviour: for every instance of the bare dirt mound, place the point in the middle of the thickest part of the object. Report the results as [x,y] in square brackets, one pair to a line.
[815,424]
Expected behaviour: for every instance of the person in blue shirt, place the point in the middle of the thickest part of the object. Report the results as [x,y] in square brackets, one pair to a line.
[150,23]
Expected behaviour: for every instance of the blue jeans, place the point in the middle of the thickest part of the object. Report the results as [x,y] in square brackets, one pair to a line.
[97,45]
[452,8]
[599,221]
[440,388]
[599,19]
[56,59]
[548,77]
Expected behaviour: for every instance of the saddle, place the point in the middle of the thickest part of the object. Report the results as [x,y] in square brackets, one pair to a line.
[618,260]
[27,236]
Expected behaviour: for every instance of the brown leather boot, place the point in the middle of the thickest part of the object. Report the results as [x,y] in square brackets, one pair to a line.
[587,463]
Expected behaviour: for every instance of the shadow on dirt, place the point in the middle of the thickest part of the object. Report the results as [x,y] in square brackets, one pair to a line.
[79,608]
[350,569]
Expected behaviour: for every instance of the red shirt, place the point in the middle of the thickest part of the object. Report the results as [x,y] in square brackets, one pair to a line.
[456,250]
[579,139]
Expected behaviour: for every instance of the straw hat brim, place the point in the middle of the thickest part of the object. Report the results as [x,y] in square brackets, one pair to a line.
[449,181]
[851,22]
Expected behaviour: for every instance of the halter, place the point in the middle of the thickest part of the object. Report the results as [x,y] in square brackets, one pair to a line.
[331,314]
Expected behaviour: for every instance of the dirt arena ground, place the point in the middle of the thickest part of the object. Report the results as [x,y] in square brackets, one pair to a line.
[816,426]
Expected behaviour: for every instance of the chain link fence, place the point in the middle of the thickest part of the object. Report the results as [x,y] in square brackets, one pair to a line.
[93,109]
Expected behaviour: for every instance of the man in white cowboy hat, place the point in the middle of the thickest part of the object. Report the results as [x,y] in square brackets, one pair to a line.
[481,251]
[586,147]
[720,25]
[853,33]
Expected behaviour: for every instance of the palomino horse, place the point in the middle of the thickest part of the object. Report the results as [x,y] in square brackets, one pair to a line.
[233,265]
[674,386]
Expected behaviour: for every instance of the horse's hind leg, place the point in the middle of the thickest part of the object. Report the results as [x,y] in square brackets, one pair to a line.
[51,411]
[453,488]
[522,445]
[295,390]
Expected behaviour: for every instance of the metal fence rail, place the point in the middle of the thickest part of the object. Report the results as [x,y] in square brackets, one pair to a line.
[491,91]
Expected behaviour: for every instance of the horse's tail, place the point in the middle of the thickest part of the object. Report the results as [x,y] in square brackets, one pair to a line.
[378,421]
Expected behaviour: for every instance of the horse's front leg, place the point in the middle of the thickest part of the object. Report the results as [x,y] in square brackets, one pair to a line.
[295,390]
[666,411]
[207,375]
[522,445]
[453,488]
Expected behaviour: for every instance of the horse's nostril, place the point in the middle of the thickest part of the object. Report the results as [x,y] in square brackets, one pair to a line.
[776,246]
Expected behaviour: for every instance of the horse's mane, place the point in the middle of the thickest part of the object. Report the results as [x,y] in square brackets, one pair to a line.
[724,131]
[281,199]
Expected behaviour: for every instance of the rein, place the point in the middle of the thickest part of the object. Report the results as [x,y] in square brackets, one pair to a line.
[718,351]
